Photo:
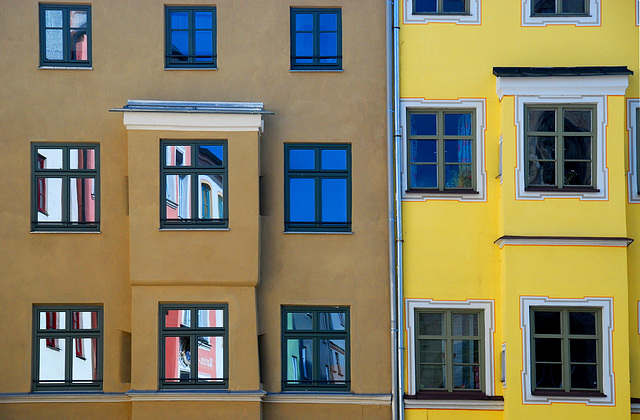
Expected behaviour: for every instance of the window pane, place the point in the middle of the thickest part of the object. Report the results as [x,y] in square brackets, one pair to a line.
[334,200]
[177,358]
[82,200]
[542,147]
[577,120]
[432,376]
[331,321]
[466,377]
[210,358]
[466,351]
[53,199]
[77,19]
[333,159]
[328,22]
[542,120]
[549,375]
[432,351]
[542,173]
[86,320]
[577,148]
[51,363]
[304,48]
[301,159]
[304,21]
[331,359]
[577,173]
[423,124]
[53,44]
[457,124]
[453,6]
[458,176]
[179,45]
[52,158]
[584,376]
[299,321]
[430,323]
[203,20]
[425,6]
[458,150]
[204,45]
[52,320]
[302,198]
[85,363]
[544,6]
[301,351]
[573,6]
[211,188]
[582,323]
[424,151]
[82,159]
[179,20]
[328,47]
[424,176]
[547,322]
[583,350]
[210,318]
[548,350]
[79,46]
[53,18]
[177,318]
[178,155]
[178,196]
[464,324]
[210,155]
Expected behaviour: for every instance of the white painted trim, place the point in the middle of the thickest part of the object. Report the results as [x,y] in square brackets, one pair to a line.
[486,306]
[62,397]
[178,121]
[479,105]
[608,377]
[550,241]
[632,126]
[592,20]
[561,87]
[63,68]
[637,12]
[237,396]
[455,404]
[473,18]
[328,398]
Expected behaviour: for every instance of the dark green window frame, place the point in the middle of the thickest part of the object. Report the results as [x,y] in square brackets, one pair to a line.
[67,332]
[318,175]
[65,173]
[192,59]
[467,159]
[637,125]
[564,340]
[194,170]
[543,8]
[190,334]
[319,35]
[444,364]
[67,59]
[560,162]
[440,8]
[320,338]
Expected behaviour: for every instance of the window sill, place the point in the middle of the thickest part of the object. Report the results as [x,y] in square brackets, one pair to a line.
[197,229]
[467,401]
[316,71]
[66,231]
[587,190]
[313,232]
[569,394]
[64,68]
[190,68]
[450,191]
[456,395]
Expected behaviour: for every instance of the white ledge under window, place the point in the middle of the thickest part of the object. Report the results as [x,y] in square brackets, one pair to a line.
[591,19]
[64,68]
[563,240]
[473,18]
[455,404]
[328,398]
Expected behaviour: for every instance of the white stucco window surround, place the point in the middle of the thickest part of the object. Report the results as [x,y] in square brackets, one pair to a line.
[563,90]
[605,305]
[633,105]
[479,106]
[473,18]
[486,306]
[592,19]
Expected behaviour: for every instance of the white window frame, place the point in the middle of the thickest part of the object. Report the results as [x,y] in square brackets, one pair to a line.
[486,306]
[473,18]
[563,90]
[592,20]
[605,305]
[479,106]
[632,126]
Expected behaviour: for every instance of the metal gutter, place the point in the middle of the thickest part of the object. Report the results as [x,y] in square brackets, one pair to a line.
[193,107]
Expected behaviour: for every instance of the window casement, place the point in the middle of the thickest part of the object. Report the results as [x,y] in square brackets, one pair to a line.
[316,39]
[67,348]
[191,172]
[190,37]
[449,347]
[317,187]
[65,35]
[561,12]
[65,187]
[560,147]
[633,121]
[315,349]
[193,346]
[566,350]
[441,150]
[441,7]
[560,8]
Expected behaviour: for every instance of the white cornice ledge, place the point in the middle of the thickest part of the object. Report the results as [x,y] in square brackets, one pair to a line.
[562,86]
[240,396]
[455,404]
[328,398]
[63,397]
[192,121]
[563,240]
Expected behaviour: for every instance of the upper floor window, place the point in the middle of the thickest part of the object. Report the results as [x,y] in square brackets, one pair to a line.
[65,35]
[559,7]
[318,187]
[194,346]
[316,39]
[315,349]
[190,37]
[67,349]
[192,174]
[561,12]
[443,7]
[65,193]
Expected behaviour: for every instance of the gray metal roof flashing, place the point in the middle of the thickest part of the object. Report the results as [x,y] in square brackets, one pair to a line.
[561,71]
[193,107]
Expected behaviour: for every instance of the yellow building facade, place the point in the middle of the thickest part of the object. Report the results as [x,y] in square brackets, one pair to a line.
[519,131]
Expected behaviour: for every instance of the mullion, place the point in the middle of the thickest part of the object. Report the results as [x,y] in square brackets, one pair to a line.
[316,40]
[440,150]
[191,37]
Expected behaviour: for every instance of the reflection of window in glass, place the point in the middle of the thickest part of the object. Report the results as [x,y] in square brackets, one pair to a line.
[318,187]
[65,35]
[441,7]
[193,354]
[65,187]
[316,39]
[560,7]
[192,173]
[315,352]
[62,332]
[560,147]
[190,37]
[441,150]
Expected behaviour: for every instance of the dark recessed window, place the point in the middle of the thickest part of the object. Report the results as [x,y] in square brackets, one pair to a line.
[318,187]
[560,147]
[316,39]
[190,37]
[67,349]
[193,346]
[65,187]
[441,7]
[194,175]
[560,7]
[315,349]
[65,35]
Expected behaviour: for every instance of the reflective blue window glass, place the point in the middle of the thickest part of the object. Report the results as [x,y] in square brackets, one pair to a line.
[334,159]
[316,39]
[334,200]
[191,37]
[302,159]
[423,124]
[302,200]
[425,6]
